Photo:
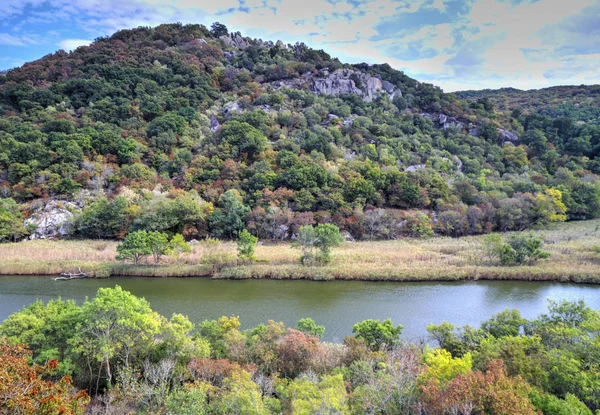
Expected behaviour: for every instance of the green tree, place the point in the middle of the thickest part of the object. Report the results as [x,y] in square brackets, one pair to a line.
[178,246]
[116,327]
[158,243]
[229,216]
[245,245]
[376,334]
[134,247]
[522,249]
[505,323]
[11,221]
[309,327]
[325,397]
[243,139]
[323,238]
[103,219]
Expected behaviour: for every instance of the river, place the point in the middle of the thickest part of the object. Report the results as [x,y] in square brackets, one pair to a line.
[335,304]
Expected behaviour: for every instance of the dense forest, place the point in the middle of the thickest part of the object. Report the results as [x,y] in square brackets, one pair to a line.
[197,131]
[114,355]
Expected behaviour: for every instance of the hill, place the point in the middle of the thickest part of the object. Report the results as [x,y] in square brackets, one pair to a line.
[581,103]
[196,131]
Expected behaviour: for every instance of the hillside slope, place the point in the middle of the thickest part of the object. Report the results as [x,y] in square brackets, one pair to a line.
[184,129]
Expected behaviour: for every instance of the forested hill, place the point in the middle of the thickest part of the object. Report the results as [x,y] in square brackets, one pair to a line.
[199,131]
[580,103]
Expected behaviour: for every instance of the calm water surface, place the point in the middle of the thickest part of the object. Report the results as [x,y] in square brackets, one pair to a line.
[335,304]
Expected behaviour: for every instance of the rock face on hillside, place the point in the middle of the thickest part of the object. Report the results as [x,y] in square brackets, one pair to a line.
[342,81]
[52,219]
[235,41]
[508,136]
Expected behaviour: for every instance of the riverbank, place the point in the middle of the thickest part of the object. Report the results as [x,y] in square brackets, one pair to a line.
[436,259]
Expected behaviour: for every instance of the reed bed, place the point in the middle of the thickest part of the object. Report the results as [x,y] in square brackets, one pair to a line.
[571,246]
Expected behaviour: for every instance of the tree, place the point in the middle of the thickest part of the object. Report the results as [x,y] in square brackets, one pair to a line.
[492,245]
[505,323]
[158,243]
[521,249]
[103,219]
[245,245]
[376,334]
[178,246]
[243,139]
[309,327]
[134,247]
[24,389]
[322,237]
[325,397]
[305,240]
[492,392]
[218,29]
[11,221]
[442,367]
[117,327]
[229,216]
[299,353]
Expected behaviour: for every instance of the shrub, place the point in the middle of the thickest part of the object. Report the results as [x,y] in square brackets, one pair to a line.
[323,237]
[521,249]
[245,245]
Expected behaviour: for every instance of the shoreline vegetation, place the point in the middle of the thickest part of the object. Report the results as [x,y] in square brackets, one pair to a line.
[572,247]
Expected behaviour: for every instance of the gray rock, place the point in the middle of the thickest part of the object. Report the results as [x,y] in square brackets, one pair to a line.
[235,41]
[340,81]
[475,132]
[388,86]
[508,135]
[214,124]
[52,220]
[281,44]
[414,167]
[348,237]
[281,232]
[233,107]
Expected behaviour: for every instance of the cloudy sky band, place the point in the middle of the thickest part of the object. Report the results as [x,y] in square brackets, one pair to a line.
[455,44]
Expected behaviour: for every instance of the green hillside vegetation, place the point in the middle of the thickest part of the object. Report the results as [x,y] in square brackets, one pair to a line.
[579,103]
[185,130]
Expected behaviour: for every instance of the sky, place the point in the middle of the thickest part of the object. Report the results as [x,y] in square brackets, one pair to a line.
[457,45]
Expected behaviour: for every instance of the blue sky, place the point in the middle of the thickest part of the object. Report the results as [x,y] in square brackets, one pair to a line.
[455,44]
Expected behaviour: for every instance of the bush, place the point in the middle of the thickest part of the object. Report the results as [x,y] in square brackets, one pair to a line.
[521,249]
[245,245]
[323,237]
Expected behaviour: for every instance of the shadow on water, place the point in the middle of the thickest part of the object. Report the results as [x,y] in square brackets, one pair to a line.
[335,304]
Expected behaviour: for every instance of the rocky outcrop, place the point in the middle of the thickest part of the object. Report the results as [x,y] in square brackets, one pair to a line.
[508,136]
[414,168]
[341,81]
[232,107]
[444,121]
[214,124]
[52,219]
[235,40]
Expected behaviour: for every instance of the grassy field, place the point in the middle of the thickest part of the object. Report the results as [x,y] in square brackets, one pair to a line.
[570,245]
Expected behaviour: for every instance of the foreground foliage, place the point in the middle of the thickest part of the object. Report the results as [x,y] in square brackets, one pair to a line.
[136,361]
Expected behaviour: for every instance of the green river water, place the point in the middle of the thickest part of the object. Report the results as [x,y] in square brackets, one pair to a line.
[335,304]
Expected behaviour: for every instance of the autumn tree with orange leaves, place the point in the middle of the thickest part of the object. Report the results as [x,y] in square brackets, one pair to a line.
[24,388]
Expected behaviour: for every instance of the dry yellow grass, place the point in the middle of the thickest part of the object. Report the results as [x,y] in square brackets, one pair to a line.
[570,245]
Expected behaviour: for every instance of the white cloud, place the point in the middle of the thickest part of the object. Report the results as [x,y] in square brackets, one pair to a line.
[9,40]
[72,44]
